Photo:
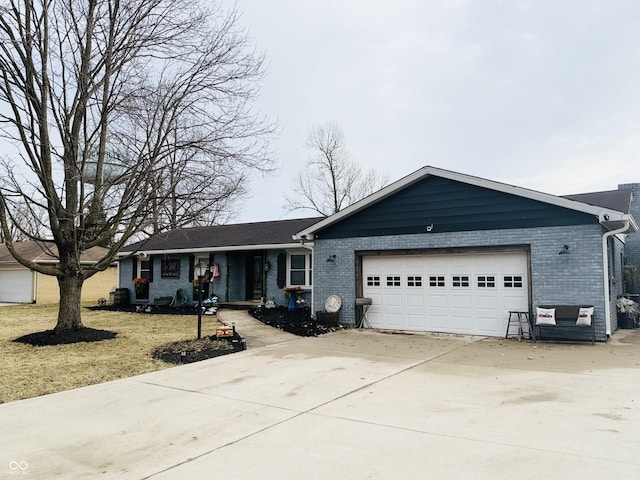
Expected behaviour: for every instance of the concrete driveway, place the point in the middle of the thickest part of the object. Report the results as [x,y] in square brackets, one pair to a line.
[352,404]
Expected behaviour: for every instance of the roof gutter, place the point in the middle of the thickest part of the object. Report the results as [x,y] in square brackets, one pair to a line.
[605,272]
[232,248]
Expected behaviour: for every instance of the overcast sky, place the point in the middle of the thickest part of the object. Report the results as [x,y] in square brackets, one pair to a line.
[540,94]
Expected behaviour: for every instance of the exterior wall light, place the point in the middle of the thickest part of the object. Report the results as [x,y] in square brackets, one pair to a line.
[331,259]
[565,250]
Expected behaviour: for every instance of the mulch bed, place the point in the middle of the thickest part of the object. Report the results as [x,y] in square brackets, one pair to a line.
[51,337]
[145,308]
[299,322]
[189,351]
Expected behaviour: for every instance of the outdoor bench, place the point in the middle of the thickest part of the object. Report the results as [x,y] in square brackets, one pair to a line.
[565,318]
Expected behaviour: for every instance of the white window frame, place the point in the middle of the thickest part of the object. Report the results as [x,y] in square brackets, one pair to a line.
[196,260]
[308,268]
[147,270]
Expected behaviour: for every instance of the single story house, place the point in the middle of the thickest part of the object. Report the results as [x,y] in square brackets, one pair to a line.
[436,251]
[19,284]
[254,261]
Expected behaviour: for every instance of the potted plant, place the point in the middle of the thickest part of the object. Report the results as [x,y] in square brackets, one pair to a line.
[141,287]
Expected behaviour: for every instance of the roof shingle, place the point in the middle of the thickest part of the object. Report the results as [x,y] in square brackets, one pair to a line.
[235,235]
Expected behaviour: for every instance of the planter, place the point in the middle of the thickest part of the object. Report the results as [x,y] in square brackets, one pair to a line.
[327,318]
[142,292]
[120,296]
[625,321]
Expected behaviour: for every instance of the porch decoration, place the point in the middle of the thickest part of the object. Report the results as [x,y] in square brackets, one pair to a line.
[141,287]
[293,294]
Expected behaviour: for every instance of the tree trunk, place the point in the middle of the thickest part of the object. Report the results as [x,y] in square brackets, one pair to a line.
[70,295]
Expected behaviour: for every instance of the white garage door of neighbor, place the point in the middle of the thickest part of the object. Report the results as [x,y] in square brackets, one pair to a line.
[15,286]
[456,293]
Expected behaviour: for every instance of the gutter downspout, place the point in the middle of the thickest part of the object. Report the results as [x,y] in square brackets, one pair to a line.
[605,266]
[303,244]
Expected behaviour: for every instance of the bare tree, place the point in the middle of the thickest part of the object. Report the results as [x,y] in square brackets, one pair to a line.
[331,180]
[124,113]
[25,222]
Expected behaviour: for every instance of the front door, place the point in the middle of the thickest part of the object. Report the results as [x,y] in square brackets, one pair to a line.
[255,268]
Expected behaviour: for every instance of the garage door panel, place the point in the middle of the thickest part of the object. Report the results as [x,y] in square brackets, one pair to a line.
[462,324]
[437,301]
[486,302]
[16,286]
[461,301]
[416,321]
[488,326]
[394,320]
[417,292]
[515,303]
[393,300]
[439,323]
[415,300]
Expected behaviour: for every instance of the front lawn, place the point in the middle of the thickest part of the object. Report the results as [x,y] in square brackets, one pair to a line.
[29,371]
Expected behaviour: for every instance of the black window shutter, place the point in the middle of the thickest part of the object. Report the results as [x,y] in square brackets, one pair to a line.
[282,270]
[134,270]
[192,259]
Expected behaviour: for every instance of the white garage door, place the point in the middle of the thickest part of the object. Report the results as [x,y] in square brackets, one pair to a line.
[15,286]
[456,293]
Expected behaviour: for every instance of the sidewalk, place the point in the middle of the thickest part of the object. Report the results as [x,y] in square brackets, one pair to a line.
[256,333]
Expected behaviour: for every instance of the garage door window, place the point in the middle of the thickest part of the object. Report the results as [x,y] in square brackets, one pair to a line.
[436,281]
[513,281]
[486,281]
[373,281]
[460,281]
[393,281]
[414,281]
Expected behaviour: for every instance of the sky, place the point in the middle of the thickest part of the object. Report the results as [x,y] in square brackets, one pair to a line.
[539,94]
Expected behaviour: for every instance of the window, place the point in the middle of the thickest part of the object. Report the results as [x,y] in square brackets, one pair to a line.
[414,281]
[144,268]
[435,281]
[373,281]
[486,281]
[460,281]
[393,281]
[513,281]
[197,260]
[299,269]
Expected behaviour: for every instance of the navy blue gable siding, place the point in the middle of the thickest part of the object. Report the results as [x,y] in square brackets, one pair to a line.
[451,206]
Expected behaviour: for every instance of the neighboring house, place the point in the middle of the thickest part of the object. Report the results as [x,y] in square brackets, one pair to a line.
[19,284]
[436,251]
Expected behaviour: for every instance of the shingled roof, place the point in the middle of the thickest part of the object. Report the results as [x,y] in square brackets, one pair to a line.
[237,235]
[45,252]
[619,200]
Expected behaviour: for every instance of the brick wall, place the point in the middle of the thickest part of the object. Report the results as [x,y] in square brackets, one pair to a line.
[555,279]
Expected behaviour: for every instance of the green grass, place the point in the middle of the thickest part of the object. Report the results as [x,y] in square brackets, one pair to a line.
[29,371]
